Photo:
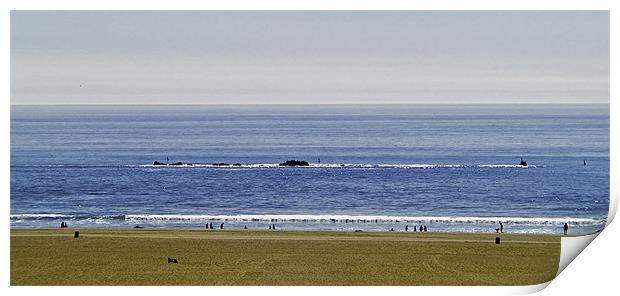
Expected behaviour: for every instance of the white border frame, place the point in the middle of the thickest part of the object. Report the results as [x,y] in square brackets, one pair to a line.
[593,271]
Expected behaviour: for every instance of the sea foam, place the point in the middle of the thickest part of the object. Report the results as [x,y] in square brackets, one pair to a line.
[362,219]
[341,165]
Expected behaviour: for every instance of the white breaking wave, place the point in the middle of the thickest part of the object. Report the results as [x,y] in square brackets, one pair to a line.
[40,216]
[343,165]
[45,216]
[504,166]
[360,219]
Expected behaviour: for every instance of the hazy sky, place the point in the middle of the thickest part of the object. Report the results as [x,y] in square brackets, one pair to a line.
[132,57]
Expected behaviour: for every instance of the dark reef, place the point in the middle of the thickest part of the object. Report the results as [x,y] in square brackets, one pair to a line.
[176,163]
[295,163]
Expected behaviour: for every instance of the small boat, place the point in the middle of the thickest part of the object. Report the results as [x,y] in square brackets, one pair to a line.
[523,162]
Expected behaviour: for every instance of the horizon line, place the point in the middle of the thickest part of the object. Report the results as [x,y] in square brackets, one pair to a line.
[307,104]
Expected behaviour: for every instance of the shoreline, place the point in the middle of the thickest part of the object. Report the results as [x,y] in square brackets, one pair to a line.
[249,230]
[122,256]
[338,227]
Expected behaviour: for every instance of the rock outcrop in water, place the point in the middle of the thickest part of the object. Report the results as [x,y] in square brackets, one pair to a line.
[295,163]
[175,164]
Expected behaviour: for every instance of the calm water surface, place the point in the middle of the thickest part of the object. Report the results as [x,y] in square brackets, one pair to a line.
[451,168]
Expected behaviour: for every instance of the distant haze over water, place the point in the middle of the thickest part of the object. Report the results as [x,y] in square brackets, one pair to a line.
[347,57]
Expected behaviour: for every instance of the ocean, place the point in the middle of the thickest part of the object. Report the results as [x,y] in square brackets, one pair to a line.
[451,168]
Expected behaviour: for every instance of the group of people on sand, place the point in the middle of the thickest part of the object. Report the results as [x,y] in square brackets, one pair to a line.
[415,228]
[420,228]
[210,226]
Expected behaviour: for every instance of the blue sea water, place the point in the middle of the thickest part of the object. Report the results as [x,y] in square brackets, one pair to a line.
[449,167]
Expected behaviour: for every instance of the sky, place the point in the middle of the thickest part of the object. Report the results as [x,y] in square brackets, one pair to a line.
[309,57]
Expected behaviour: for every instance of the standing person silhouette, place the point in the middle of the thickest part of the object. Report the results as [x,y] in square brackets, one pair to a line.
[565,228]
[501,227]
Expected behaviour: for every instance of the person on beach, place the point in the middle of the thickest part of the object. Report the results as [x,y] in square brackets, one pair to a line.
[273,226]
[210,225]
[565,228]
[425,229]
[222,226]
[269,227]
[501,227]
[406,228]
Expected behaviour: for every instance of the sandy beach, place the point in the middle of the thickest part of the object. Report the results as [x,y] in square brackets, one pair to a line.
[238,257]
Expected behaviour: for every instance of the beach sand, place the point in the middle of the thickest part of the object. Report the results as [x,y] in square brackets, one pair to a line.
[252,257]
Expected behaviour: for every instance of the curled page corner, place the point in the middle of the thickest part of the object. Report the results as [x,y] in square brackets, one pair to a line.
[572,247]
[531,289]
